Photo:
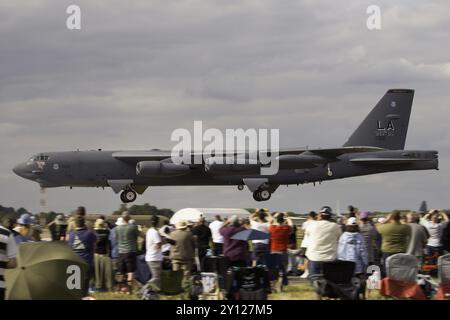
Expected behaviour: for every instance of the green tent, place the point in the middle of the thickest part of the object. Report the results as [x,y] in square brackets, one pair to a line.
[46,271]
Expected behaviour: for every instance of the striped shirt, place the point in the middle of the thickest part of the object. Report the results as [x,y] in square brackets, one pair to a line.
[7,251]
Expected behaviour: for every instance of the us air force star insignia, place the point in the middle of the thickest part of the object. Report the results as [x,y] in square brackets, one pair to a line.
[393,104]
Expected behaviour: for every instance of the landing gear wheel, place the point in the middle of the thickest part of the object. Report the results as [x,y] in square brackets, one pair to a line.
[256,195]
[128,196]
[264,195]
[261,195]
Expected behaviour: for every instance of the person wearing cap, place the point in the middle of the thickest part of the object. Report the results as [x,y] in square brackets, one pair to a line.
[352,247]
[369,234]
[127,245]
[394,237]
[236,250]
[58,228]
[435,222]
[217,238]
[182,252]
[323,236]
[102,257]
[419,236]
[82,240]
[23,229]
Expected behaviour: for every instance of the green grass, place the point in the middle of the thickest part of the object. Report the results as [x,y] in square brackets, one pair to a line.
[294,291]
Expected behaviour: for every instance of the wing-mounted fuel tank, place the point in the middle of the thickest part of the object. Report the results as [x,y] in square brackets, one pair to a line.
[161,169]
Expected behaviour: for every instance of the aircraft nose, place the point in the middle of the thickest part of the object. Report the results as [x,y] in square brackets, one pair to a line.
[20,169]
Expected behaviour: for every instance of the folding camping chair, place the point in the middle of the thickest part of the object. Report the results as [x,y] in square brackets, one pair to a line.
[337,281]
[249,283]
[218,265]
[401,278]
[444,277]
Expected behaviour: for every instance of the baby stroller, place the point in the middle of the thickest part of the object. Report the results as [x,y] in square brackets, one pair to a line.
[338,281]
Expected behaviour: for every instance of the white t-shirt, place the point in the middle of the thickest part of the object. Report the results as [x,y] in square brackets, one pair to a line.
[153,253]
[215,227]
[323,239]
[435,230]
[260,226]
[305,225]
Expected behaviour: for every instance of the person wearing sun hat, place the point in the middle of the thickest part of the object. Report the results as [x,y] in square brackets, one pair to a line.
[323,236]
[352,247]
[182,252]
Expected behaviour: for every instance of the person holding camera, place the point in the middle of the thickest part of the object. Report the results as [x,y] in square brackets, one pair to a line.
[280,228]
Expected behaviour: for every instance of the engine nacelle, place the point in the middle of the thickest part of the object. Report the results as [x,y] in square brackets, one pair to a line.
[161,169]
[217,166]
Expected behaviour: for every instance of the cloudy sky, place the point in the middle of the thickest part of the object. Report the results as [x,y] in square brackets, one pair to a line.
[137,70]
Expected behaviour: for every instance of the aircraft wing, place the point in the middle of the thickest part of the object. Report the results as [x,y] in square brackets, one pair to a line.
[386,161]
[137,156]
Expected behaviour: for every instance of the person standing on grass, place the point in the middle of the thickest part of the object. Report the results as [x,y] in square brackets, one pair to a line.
[182,252]
[419,237]
[259,221]
[236,250]
[310,219]
[435,222]
[352,247]
[217,238]
[153,254]
[83,241]
[127,245]
[203,234]
[395,237]
[323,239]
[280,228]
[102,257]
[369,234]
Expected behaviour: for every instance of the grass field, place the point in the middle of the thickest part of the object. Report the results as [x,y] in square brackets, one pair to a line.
[297,290]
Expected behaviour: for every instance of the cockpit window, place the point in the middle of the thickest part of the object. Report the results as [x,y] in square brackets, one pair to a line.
[40,157]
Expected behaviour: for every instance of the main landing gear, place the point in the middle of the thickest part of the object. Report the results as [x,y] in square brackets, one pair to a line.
[128,195]
[262,195]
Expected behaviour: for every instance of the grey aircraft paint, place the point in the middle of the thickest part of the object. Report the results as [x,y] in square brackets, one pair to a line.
[376,146]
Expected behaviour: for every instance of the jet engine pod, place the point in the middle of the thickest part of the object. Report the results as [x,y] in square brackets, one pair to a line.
[301,161]
[216,166]
[161,169]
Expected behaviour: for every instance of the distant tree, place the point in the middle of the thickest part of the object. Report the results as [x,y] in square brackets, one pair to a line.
[144,209]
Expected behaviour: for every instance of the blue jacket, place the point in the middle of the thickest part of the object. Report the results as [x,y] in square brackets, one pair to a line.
[351,247]
[113,241]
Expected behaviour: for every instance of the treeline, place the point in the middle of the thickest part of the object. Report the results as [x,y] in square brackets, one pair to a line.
[144,209]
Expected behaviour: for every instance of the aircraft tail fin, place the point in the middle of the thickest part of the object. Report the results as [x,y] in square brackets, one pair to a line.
[387,124]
